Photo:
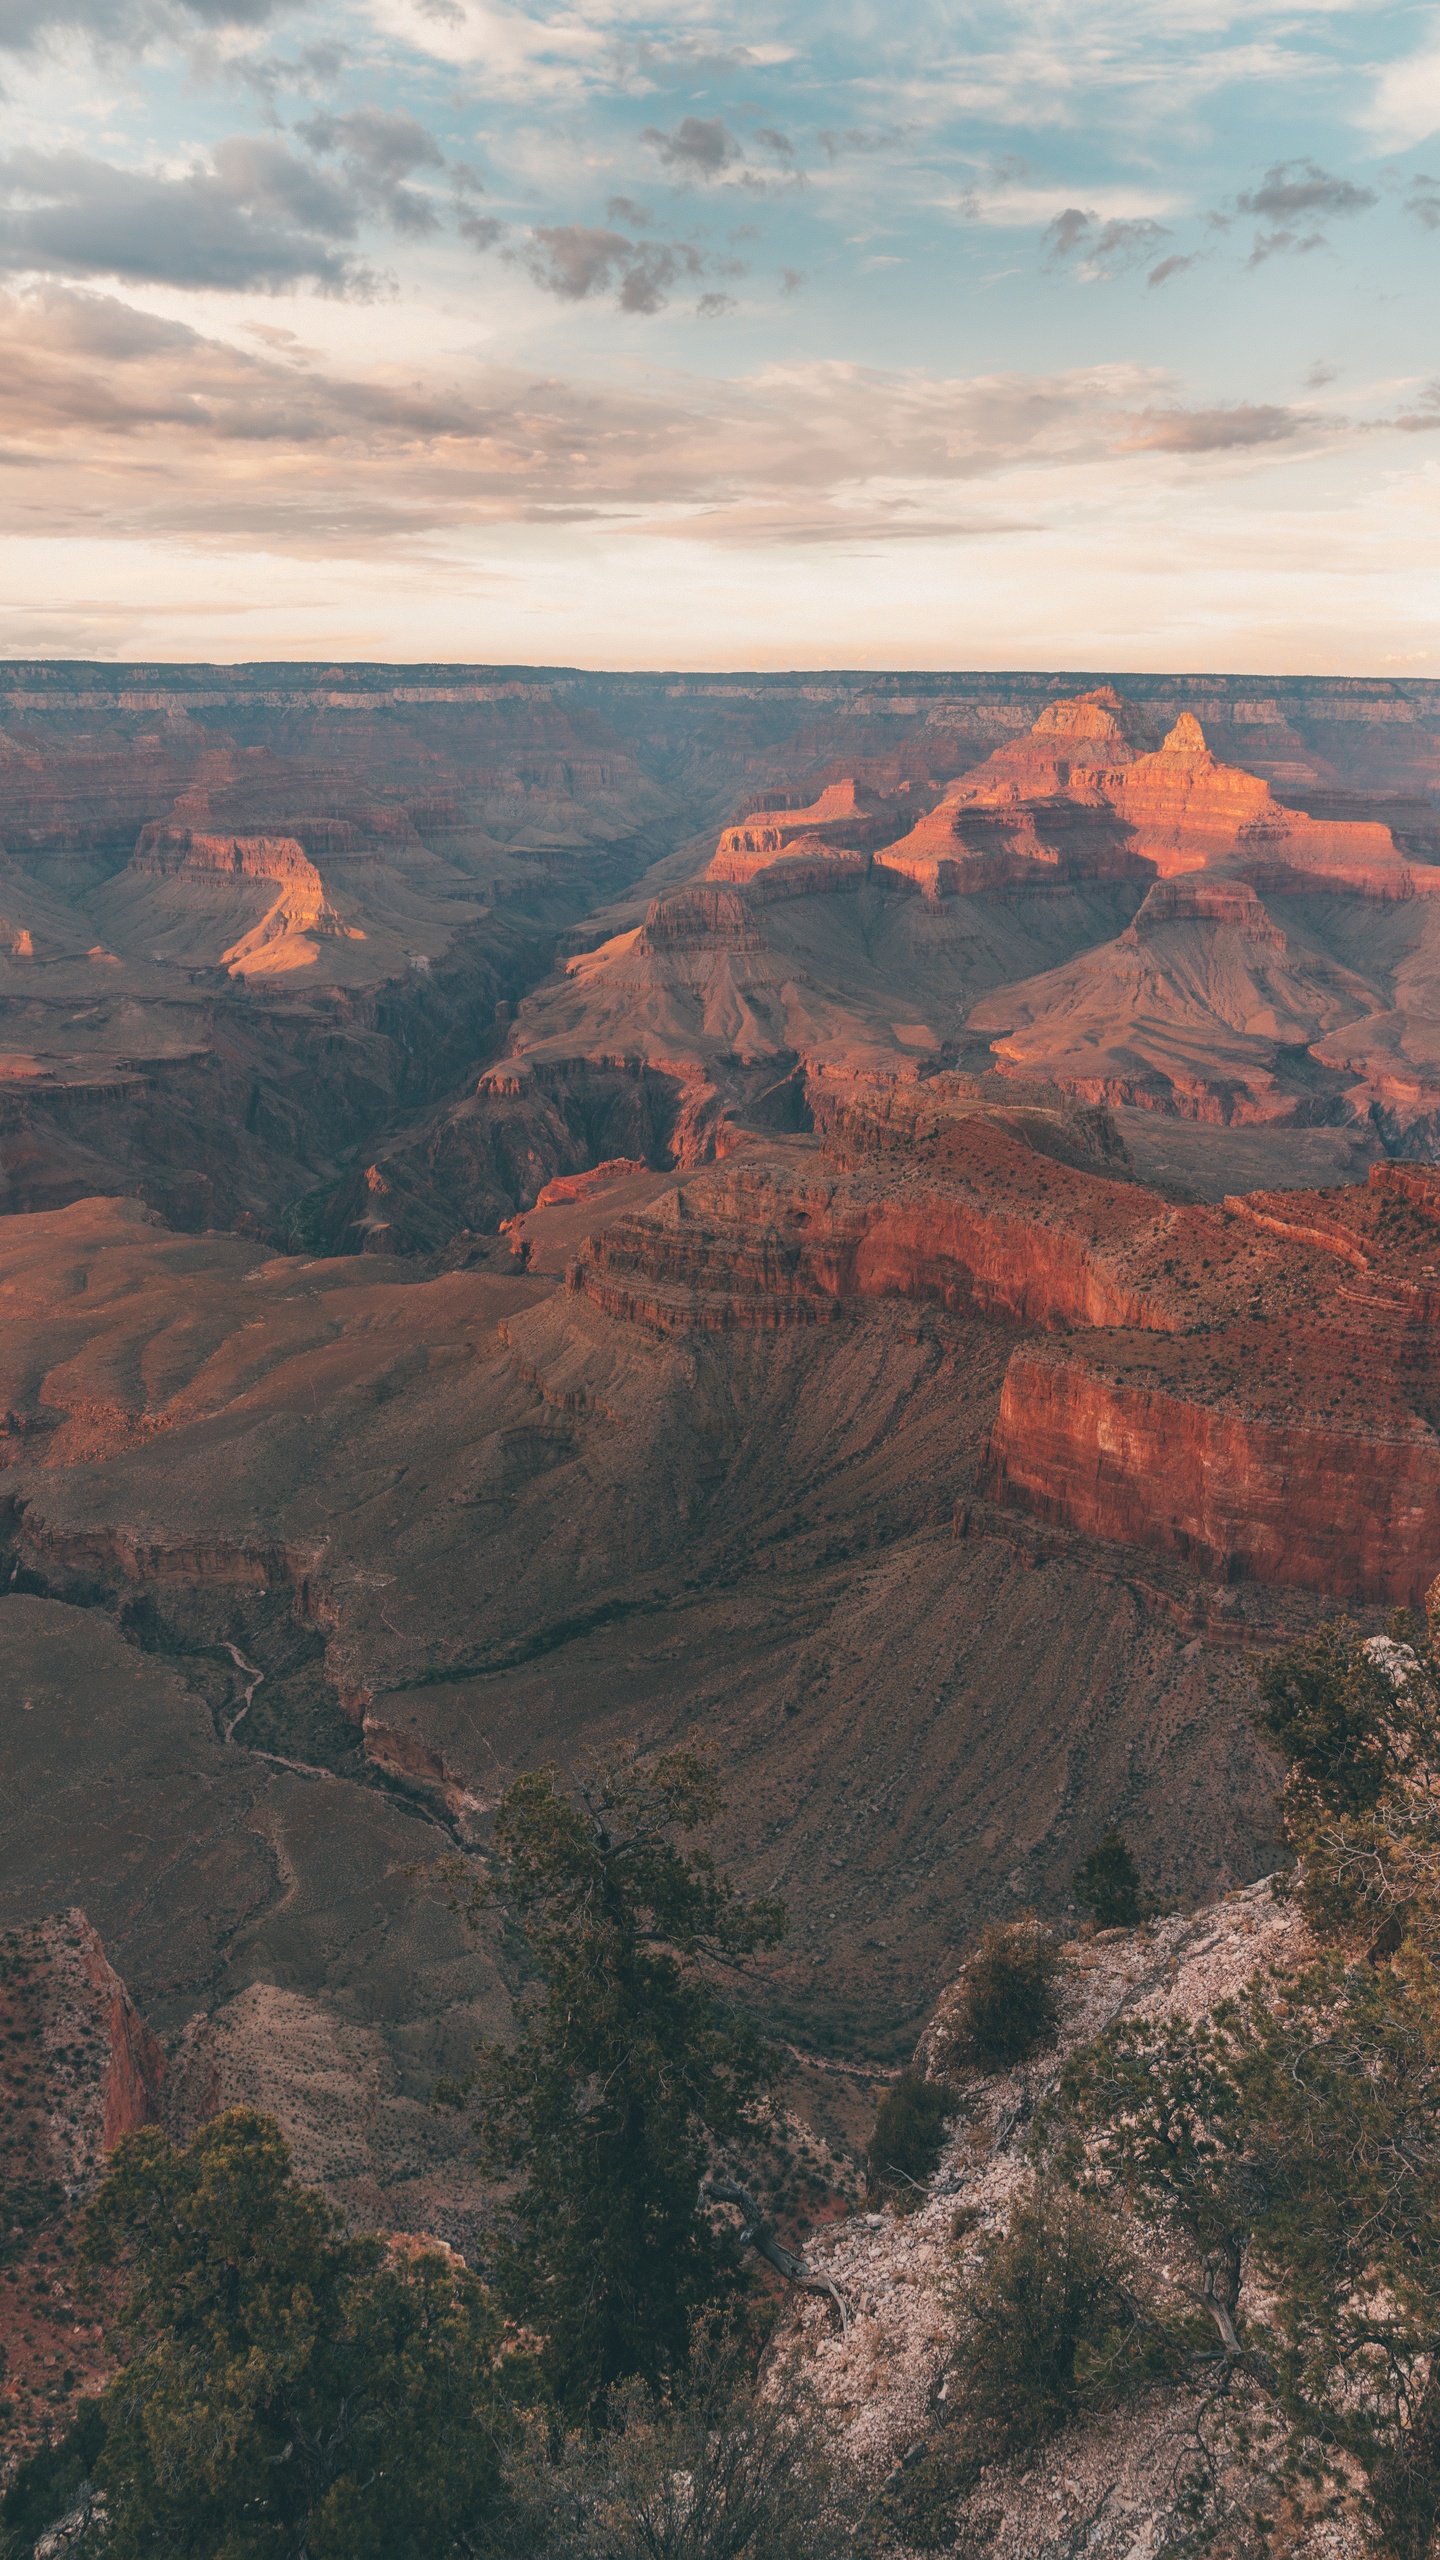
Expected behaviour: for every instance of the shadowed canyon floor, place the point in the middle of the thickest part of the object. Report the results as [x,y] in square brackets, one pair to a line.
[884,1221]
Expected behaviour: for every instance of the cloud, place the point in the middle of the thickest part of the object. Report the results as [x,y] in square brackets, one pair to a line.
[258,218]
[1285,243]
[1103,248]
[165,433]
[1405,106]
[1292,197]
[378,150]
[26,26]
[313,70]
[1064,235]
[1168,267]
[1236,429]
[862,139]
[1295,188]
[1426,419]
[649,64]
[1422,201]
[702,147]
[574,261]
[772,140]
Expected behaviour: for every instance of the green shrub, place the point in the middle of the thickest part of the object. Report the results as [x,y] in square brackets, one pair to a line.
[1108,1884]
[1008,2004]
[1047,2335]
[1330,1709]
[48,2484]
[909,2135]
[628,2069]
[917,2506]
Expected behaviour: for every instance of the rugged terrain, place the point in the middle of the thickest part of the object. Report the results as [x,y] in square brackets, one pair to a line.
[1104,2488]
[883,1221]
[78,2068]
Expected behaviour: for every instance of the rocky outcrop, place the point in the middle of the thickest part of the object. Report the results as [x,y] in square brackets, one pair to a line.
[1352,1512]
[78,2069]
[1106,2489]
[764,1244]
[299,908]
[698,918]
[1186,811]
[847,819]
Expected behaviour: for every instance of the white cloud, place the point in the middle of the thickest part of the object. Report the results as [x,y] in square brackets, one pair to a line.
[1404,107]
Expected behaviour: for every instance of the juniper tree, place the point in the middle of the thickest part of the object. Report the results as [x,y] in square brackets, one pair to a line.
[287,2393]
[629,2069]
[1108,1883]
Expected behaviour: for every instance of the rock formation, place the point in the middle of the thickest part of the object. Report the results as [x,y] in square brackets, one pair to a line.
[1106,2487]
[78,2068]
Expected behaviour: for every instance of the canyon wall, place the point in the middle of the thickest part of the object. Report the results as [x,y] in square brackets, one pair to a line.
[1354,1514]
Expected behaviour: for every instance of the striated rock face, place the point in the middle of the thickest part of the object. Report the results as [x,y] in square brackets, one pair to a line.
[1239,1495]
[299,909]
[1186,811]
[764,1244]
[1290,1435]
[1188,900]
[846,819]
[1250,1390]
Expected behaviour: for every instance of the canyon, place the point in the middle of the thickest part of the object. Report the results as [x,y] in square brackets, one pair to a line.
[887,1222]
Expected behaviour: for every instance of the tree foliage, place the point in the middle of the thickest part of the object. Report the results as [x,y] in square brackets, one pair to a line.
[1008,2003]
[1107,1884]
[1049,2331]
[909,2135]
[287,2391]
[1289,2143]
[628,2070]
[713,2468]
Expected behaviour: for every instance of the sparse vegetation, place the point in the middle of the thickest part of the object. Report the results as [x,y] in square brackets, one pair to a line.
[909,2136]
[1008,2002]
[1288,2145]
[717,2469]
[51,2481]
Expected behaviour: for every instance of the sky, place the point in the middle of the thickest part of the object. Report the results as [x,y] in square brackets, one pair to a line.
[778,335]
